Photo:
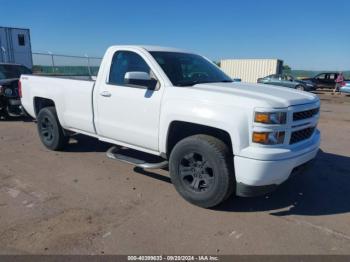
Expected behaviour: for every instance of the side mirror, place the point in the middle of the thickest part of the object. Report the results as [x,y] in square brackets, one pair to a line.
[140,80]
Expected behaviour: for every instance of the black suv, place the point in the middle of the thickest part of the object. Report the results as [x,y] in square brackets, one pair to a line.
[324,80]
[10,103]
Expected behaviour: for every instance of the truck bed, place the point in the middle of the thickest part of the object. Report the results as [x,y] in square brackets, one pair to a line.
[72,97]
[72,77]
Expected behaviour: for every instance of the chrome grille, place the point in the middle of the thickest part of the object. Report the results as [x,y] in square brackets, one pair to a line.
[305,114]
[300,135]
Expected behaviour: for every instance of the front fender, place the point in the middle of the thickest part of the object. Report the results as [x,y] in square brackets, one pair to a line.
[230,119]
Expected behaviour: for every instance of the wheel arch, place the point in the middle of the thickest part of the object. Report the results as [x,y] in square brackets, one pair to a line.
[179,130]
[40,103]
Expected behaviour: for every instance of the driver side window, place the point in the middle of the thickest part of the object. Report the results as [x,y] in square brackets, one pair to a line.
[123,62]
[321,76]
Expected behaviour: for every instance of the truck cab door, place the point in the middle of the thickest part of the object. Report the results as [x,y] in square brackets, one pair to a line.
[331,80]
[328,81]
[320,80]
[128,114]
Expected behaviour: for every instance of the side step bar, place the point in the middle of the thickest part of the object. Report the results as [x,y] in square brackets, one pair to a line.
[115,153]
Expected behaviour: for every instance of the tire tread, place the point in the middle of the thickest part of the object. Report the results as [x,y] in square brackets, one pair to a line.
[62,139]
[222,152]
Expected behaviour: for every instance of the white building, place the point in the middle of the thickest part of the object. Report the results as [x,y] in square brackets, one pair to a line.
[15,46]
[249,70]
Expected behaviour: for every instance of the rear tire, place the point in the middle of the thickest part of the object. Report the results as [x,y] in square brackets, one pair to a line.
[201,169]
[50,130]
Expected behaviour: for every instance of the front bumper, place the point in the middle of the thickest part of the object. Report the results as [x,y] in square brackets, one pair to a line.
[257,177]
[14,107]
[14,102]
[244,190]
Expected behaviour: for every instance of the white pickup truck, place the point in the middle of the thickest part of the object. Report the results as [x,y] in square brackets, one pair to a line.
[217,137]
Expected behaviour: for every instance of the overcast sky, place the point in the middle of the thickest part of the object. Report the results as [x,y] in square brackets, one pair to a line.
[313,35]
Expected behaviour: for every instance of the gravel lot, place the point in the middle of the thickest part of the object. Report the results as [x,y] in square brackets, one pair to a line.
[80,202]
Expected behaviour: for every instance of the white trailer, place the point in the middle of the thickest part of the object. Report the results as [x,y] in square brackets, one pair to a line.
[249,70]
[15,46]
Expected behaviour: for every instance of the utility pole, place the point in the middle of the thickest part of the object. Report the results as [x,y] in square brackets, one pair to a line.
[88,61]
[4,53]
[52,60]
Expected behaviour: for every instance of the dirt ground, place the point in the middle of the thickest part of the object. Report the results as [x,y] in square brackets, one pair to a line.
[80,202]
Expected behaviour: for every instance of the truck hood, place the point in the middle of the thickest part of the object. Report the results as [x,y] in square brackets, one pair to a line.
[260,94]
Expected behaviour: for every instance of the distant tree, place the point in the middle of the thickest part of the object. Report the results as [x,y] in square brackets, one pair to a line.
[287,69]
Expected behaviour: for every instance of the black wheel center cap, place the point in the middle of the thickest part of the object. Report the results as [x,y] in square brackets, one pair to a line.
[196,172]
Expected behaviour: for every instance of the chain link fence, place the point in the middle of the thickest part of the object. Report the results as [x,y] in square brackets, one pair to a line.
[54,64]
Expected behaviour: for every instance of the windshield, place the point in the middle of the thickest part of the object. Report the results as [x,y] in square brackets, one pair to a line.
[189,69]
[12,71]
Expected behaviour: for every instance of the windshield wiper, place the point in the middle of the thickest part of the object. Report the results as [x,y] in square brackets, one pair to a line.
[192,83]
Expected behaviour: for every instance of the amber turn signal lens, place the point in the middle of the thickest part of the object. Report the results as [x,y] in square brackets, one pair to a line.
[262,117]
[260,137]
[273,118]
[269,138]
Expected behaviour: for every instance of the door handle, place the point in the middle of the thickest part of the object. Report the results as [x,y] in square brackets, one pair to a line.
[106,94]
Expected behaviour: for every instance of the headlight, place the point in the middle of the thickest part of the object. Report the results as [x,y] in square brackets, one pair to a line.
[268,138]
[271,118]
[308,84]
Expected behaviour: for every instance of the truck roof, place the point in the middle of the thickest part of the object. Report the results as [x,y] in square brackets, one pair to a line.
[151,48]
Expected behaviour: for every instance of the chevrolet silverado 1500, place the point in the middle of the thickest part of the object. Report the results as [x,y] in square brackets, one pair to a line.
[217,136]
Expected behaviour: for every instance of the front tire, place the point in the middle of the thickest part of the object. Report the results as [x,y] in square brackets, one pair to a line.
[50,130]
[201,169]
[300,87]
[4,114]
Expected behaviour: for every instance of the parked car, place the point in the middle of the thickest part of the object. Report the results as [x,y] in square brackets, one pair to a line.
[217,136]
[345,88]
[324,80]
[10,103]
[287,81]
